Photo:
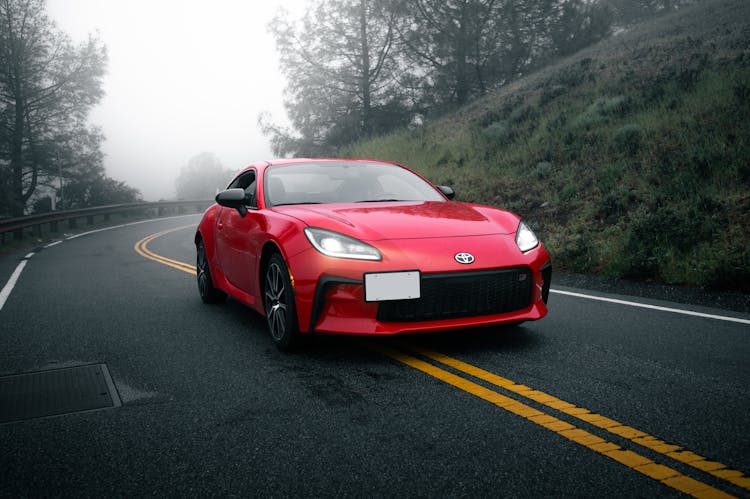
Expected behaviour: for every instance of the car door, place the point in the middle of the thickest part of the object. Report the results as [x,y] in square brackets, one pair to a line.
[238,241]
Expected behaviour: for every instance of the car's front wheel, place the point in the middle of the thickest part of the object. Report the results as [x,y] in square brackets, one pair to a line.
[281,312]
[209,294]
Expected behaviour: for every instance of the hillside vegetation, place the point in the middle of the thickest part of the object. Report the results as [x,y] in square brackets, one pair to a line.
[630,158]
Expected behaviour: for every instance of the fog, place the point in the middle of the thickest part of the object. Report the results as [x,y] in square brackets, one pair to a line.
[183,77]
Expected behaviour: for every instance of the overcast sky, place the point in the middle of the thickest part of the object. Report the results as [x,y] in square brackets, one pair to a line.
[184,77]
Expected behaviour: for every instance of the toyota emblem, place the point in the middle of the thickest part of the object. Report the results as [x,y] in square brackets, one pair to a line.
[465,258]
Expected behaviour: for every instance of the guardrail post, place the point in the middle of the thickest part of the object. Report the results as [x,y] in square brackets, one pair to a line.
[53,226]
[72,223]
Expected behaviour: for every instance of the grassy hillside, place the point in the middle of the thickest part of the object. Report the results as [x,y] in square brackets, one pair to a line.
[630,159]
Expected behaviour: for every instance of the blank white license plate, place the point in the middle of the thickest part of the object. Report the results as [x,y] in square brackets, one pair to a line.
[392,286]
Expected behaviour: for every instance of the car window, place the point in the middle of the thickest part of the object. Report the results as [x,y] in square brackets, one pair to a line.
[344,182]
[251,197]
[243,180]
[247,181]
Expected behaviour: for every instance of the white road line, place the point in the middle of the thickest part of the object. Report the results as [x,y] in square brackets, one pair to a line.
[653,307]
[127,225]
[16,273]
[5,293]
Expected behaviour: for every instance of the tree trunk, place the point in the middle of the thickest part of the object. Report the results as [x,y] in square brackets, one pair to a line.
[462,49]
[17,200]
[365,76]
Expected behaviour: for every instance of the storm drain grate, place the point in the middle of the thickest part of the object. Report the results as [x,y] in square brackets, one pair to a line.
[55,392]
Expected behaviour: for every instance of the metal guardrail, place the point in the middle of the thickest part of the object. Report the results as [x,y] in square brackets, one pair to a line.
[17,225]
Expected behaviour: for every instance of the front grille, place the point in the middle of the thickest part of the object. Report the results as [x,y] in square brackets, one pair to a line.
[465,294]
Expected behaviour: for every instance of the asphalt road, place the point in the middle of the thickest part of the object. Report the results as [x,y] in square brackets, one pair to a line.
[598,399]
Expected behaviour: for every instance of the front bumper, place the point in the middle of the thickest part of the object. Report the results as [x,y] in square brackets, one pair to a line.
[342,310]
[330,294]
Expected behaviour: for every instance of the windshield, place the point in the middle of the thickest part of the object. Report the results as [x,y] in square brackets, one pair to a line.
[344,182]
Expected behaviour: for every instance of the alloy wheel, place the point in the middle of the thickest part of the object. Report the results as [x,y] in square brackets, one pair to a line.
[276,306]
[203,275]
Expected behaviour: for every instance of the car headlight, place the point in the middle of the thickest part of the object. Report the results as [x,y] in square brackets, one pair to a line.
[525,238]
[340,246]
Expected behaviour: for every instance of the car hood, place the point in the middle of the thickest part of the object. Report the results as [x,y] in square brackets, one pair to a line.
[405,220]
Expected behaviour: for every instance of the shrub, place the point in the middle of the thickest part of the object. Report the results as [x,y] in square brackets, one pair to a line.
[568,193]
[445,159]
[628,139]
[612,106]
[523,113]
[657,232]
[542,170]
[550,92]
[577,252]
[588,119]
[498,133]
[742,92]
[615,204]
[602,109]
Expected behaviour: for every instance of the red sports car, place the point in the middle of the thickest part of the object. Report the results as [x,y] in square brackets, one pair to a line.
[365,247]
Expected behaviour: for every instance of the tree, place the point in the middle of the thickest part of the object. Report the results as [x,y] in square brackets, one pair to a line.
[357,68]
[575,24]
[47,88]
[631,11]
[80,180]
[202,177]
[469,47]
[96,189]
[341,75]
[456,41]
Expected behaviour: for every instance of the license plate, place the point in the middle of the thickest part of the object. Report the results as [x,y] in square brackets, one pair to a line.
[392,286]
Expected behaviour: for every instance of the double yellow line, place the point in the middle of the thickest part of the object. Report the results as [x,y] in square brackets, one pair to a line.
[141,247]
[436,364]
[637,462]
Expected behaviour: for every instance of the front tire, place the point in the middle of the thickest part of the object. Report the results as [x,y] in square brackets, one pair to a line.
[209,294]
[280,307]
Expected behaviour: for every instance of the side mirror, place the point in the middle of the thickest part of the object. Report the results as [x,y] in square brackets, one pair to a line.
[448,191]
[233,198]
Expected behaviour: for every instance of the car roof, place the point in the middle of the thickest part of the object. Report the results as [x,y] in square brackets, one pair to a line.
[284,161]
